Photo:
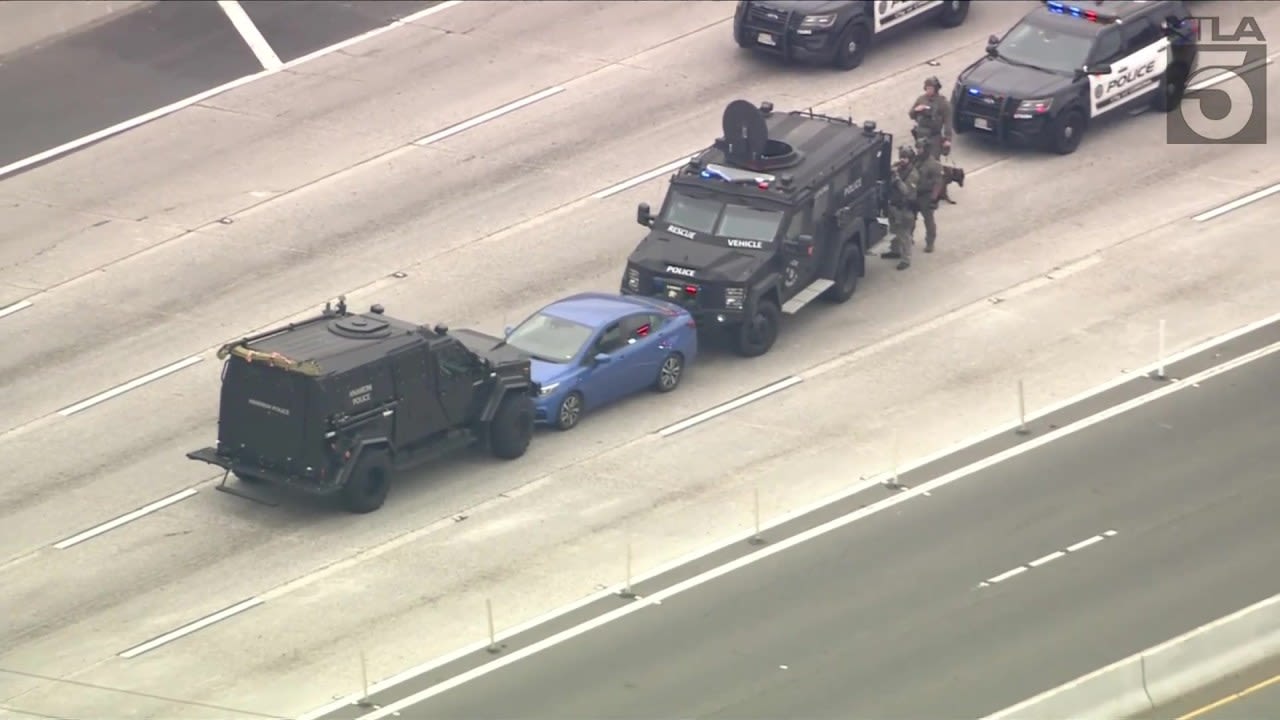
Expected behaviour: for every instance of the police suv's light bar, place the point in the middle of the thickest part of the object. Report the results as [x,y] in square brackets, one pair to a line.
[1090,15]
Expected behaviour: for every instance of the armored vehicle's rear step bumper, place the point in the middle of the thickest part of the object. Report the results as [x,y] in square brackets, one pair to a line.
[211,456]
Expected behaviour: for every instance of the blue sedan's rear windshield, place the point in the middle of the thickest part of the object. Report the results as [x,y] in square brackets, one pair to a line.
[549,338]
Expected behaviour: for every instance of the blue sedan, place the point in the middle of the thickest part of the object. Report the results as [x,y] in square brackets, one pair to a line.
[592,349]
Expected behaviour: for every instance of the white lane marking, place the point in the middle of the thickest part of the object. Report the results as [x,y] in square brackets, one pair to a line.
[1237,203]
[251,34]
[1005,576]
[11,309]
[201,97]
[1227,74]
[836,524]
[486,117]
[874,481]
[131,385]
[1085,543]
[730,406]
[1046,559]
[643,178]
[125,519]
[189,628]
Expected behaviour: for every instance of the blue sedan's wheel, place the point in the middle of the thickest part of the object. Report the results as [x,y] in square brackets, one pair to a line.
[670,373]
[569,412]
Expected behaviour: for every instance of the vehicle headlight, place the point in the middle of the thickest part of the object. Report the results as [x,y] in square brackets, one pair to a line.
[733,298]
[818,21]
[548,389]
[633,279]
[1033,108]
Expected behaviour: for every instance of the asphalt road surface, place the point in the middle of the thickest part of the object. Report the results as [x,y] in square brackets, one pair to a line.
[890,617]
[149,55]
[1253,694]
[122,263]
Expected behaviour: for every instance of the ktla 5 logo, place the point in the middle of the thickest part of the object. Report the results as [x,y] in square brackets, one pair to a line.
[1226,100]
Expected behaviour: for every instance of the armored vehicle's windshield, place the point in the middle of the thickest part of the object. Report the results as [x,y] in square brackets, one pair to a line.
[707,214]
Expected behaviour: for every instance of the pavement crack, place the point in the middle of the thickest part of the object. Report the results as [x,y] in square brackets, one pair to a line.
[232,111]
[133,693]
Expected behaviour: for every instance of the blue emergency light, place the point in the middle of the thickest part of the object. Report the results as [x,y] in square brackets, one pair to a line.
[1090,15]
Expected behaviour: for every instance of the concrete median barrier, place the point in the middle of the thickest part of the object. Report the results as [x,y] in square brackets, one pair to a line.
[1162,673]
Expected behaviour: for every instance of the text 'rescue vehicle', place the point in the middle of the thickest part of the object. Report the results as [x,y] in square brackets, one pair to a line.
[780,210]
[1068,63]
[337,404]
[834,32]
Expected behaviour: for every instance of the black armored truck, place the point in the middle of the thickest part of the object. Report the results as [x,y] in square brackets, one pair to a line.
[339,403]
[780,210]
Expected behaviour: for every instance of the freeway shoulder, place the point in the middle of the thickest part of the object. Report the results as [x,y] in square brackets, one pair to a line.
[1071,542]
[1247,695]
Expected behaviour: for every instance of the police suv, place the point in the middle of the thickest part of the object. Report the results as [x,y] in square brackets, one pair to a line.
[1069,62]
[779,211]
[835,32]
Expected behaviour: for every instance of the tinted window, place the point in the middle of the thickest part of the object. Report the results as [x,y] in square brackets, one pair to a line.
[611,340]
[638,327]
[1139,34]
[1048,45]
[697,214]
[748,223]
[799,224]
[549,338]
[1110,47]
[454,359]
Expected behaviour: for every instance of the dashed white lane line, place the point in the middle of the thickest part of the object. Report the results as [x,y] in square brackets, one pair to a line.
[1227,74]
[1046,559]
[189,628]
[492,114]
[131,385]
[110,525]
[252,36]
[730,406]
[201,97]
[16,307]
[642,178]
[1237,203]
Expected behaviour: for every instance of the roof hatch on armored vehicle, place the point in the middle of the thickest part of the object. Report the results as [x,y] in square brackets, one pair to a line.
[746,143]
[360,327]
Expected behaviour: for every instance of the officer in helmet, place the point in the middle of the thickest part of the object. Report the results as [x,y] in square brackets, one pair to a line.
[932,116]
[930,185]
[902,207]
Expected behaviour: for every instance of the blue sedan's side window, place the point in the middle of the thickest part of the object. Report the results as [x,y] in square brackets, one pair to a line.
[638,327]
[611,340]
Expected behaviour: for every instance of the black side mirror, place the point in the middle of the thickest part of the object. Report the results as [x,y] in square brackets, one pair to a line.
[993,42]
[644,215]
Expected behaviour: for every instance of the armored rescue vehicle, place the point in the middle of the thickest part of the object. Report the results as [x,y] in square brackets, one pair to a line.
[779,211]
[341,402]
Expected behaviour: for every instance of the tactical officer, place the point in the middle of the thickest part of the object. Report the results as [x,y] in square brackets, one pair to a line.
[902,207]
[929,189]
[932,115]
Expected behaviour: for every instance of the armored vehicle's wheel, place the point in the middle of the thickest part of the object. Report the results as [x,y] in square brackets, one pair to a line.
[670,373]
[852,46]
[511,429]
[846,276]
[953,13]
[370,481]
[569,412]
[756,334]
